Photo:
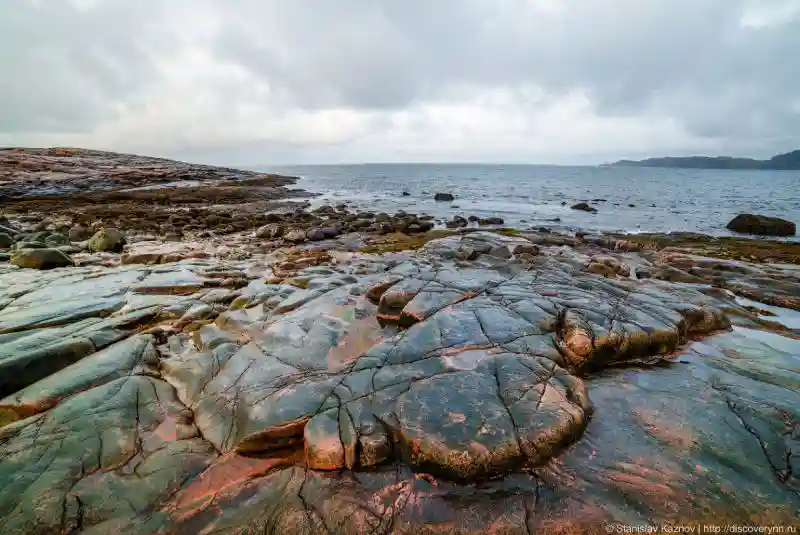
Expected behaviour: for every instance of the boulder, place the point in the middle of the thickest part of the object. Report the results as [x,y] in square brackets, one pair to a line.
[40,259]
[406,194]
[761,225]
[330,232]
[270,231]
[295,236]
[56,240]
[108,240]
[584,207]
[315,234]
[444,197]
[6,241]
[491,221]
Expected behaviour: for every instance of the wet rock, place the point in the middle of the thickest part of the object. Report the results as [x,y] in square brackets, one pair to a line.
[40,259]
[761,225]
[406,194]
[6,241]
[583,207]
[456,222]
[473,219]
[491,221]
[107,240]
[444,197]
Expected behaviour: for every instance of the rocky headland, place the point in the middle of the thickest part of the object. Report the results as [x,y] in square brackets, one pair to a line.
[189,349]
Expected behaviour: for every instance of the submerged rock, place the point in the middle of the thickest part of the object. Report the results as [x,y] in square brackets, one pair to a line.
[762,225]
[444,197]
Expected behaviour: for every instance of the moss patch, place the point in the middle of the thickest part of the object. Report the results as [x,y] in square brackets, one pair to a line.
[398,242]
[730,248]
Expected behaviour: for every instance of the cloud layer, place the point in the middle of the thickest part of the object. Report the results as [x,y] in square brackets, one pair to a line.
[269,81]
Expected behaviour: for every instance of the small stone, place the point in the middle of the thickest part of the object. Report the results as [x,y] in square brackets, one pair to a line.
[444,197]
[406,194]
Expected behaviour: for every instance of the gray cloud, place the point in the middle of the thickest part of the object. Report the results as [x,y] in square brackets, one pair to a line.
[517,80]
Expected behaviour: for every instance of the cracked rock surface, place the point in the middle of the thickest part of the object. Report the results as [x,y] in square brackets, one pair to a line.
[450,390]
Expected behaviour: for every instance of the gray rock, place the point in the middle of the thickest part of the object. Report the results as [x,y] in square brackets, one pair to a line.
[443,197]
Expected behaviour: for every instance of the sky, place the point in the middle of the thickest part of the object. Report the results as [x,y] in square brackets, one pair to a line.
[252,82]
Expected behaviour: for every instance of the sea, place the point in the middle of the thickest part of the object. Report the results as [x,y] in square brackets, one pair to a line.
[627,199]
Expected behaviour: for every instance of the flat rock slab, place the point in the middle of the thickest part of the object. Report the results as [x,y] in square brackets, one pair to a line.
[453,390]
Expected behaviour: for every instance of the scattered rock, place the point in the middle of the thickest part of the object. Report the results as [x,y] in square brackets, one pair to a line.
[315,234]
[295,236]
[762,225]
[492,221]
[584,207]
[444,197]
[40,259]
[108,240]
[526,249]
[271,231]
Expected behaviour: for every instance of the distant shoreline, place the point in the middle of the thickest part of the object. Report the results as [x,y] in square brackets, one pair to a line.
[789,161]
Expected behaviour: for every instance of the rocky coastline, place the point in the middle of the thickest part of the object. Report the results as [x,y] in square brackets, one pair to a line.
[190,349]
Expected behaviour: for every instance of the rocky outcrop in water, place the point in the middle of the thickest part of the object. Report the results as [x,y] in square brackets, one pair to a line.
[762,225]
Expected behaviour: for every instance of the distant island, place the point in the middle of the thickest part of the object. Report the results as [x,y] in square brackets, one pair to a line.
[782,162]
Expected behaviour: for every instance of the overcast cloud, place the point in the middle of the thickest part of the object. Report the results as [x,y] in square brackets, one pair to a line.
[310,81]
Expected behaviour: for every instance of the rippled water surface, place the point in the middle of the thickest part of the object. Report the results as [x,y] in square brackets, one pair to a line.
[665,199]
